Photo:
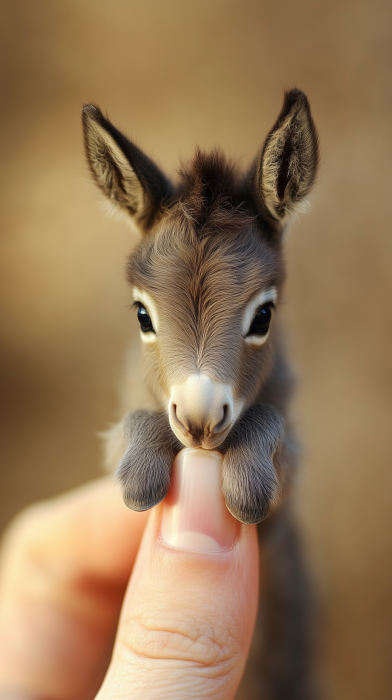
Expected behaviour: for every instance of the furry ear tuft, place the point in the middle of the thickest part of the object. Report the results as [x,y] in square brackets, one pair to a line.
[128,178]
[285,168]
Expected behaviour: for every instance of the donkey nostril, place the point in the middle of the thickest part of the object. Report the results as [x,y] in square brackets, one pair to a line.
[176,420]
[224,420]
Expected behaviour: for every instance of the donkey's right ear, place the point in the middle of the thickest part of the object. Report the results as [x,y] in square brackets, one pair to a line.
[129,179]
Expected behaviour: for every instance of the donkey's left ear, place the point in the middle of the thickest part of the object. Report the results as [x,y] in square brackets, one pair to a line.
[286,166]
[130,180]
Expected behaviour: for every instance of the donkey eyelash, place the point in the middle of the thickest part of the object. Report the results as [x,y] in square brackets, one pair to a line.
[135,305]
[271,305]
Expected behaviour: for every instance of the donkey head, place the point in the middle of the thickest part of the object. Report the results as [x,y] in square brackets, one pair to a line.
[207,274]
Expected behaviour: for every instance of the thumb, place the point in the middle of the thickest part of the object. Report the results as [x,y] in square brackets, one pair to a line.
[189,612]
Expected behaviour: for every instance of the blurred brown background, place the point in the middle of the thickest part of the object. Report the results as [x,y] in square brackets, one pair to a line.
[173,74]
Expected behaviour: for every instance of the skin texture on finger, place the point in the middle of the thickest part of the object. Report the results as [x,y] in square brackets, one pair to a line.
[63,572]
[187,621]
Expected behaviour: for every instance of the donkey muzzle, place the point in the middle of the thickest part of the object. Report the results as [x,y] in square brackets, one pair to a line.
[201,411]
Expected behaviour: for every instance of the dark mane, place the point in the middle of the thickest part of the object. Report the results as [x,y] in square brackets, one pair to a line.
[209,193]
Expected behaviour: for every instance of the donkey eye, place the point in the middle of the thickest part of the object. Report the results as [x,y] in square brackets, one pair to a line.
[261,322]
[144,320]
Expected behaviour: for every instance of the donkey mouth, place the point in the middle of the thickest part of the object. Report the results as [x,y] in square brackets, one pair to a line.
[197,437]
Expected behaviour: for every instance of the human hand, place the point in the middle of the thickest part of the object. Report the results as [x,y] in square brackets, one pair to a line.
[189,609]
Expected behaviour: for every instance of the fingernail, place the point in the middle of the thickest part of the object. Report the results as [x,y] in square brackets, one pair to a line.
[194,515]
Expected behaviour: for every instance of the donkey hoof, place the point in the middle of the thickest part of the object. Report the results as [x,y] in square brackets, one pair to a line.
[140,505]
[248,516]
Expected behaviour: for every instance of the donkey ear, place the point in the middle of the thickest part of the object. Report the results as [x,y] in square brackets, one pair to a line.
[286,166]
[125,175]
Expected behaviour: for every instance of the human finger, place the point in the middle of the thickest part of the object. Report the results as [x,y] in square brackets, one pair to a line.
[190,608]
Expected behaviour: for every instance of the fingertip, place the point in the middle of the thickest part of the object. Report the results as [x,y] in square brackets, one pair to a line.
[195,609]
[194,515]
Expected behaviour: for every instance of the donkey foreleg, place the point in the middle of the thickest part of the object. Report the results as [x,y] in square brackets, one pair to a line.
[144,470]
[288,612]
[250,482]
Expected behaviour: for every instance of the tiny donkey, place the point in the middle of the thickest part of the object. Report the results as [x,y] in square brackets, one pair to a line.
[206,279]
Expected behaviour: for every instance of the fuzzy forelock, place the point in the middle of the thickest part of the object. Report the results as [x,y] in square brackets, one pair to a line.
[208,194]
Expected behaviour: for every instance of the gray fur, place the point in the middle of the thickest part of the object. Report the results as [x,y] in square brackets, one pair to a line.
[145,468]
[210,243]
[250,481]
[285,626]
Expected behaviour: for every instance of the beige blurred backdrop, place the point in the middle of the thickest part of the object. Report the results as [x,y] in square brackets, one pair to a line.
[175,74]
